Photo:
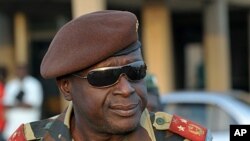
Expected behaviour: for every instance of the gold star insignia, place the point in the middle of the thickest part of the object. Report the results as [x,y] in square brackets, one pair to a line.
[181,128]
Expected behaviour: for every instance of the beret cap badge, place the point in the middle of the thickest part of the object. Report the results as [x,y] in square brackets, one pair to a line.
[137,26]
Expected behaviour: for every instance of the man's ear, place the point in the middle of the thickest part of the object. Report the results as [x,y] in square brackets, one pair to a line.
[64,86]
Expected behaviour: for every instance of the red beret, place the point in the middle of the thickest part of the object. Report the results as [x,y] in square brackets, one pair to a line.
[87,40]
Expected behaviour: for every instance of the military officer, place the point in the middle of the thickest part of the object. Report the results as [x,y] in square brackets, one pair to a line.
[97,62]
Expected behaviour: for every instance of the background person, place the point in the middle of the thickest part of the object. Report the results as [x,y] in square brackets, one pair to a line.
[98,65]
[154,103]
[22,99]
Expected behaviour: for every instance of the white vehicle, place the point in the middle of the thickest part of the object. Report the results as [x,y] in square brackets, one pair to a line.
[216,111]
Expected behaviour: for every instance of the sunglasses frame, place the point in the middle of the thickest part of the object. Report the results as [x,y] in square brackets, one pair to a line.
[110,68]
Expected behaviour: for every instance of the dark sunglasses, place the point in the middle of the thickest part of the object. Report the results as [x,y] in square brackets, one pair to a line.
[108,76]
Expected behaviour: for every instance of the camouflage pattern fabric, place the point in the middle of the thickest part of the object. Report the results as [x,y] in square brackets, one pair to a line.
[154,127]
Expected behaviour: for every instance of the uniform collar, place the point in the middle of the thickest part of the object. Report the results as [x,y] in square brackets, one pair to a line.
[68,114]
[144,117]
[144,122]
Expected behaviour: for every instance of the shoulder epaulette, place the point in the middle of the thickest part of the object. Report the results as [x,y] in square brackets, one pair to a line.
[183,127]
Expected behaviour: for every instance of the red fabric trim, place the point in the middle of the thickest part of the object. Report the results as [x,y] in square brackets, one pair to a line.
[188,129]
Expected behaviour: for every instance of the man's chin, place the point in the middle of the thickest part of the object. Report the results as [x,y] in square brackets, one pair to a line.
[123,129]
[124,125]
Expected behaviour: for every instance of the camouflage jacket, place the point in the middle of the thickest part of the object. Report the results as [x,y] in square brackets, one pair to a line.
[159,126]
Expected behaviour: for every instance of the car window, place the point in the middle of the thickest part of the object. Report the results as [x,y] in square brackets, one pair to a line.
[210,116]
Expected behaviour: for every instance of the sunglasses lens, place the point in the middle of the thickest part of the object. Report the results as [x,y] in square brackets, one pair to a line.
[103,78]
[136,72]
[107,77]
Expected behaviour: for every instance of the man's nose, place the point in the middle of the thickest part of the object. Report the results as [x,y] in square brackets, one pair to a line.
[124,87]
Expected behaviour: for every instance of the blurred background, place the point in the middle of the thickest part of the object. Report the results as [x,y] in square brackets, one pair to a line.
[189,45]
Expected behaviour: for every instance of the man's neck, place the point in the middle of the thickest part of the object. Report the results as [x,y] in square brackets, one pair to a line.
[79,134]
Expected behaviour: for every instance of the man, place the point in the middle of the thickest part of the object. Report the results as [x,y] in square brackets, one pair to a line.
[22,99]
[97,62]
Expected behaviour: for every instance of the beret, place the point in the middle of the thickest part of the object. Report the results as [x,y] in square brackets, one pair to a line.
[87,40]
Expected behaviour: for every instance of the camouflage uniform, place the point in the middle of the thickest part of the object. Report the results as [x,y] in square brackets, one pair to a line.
[159,127]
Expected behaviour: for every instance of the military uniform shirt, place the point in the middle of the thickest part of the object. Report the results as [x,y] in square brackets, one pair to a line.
[157,126]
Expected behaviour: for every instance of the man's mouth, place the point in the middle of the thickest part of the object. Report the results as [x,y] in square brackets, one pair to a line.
[124,110]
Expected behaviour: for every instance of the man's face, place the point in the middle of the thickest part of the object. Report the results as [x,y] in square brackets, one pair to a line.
[115,109]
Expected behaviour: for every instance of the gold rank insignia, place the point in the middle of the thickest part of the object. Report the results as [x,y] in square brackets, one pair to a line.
[188,129]
[195,129]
